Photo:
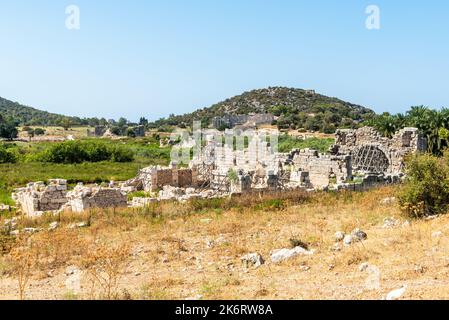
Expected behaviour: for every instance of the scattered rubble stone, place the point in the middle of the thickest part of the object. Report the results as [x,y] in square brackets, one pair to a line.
[407,223]
[78,225]
[359,235]
[356,236]
[339,236]
[70,270]
[252,260]
[32,230]
[388,201]
[138,202]
[4,207]
[348,240]
[364,266]
[335,247]
[396,294]
[284,254]
[53,226]
[390,223]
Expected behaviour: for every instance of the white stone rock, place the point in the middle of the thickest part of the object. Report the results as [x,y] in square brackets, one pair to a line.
[364,266]
[31,230]
[388,201]
[359,235]
[70,270]
[348,240]
[406,224]
[252,260]
[339,236]
[284,254]
[390,223]
[437,234]
[4,207]
[335,247]
[53,226]
[396,294]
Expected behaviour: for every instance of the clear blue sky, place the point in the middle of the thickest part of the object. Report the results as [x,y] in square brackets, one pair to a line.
[152,58]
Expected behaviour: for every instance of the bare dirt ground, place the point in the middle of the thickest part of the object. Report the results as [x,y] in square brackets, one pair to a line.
[198,256]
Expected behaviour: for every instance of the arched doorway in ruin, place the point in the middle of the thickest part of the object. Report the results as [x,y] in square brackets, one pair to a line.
[370,158]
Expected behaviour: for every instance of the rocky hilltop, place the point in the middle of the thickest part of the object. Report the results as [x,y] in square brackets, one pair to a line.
[296,108]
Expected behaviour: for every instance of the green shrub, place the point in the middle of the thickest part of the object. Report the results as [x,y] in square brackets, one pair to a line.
[8,155]
[426,189]
[84,151]
[39,132]
[122,154]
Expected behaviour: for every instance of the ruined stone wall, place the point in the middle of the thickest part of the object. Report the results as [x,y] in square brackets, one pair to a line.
[153,178]
[163,177]
[37,198]
[322,168]
[185,178]
[355,142]
[84,198]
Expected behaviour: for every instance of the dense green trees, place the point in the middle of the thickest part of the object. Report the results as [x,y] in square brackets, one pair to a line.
[8,128]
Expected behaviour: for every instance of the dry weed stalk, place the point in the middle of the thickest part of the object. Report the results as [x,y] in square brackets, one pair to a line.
[23,258]
[104,265]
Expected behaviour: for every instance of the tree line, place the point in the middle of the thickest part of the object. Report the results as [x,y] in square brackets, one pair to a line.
[433,124]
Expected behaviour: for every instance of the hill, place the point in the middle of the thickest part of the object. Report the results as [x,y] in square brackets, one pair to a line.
[25,115]
[296,108]
[30,116]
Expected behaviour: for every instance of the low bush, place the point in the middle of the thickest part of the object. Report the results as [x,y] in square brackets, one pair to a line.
[426,189]
[84,151]
[8,154]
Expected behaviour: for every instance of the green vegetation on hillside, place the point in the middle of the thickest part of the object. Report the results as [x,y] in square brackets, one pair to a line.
[28,116]
[296,109]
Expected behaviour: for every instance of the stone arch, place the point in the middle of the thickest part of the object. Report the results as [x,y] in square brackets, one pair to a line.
[370,158]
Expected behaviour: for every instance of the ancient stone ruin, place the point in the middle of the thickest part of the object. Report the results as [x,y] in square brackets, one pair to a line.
[105,131]
[373,153]
[221,169]
[37,198]
[83,198]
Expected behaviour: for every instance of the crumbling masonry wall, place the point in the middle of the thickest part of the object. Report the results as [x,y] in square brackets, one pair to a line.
[322,168]
[372,152]
[83,198]
[37,198]
[155,178]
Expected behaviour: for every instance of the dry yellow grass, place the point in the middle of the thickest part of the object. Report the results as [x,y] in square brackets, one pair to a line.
[176,255]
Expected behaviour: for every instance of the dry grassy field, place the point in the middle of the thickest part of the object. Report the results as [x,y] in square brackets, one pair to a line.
[189,251]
